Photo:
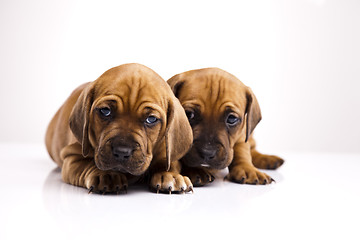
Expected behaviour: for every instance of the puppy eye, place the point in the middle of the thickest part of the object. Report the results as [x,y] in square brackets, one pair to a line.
[190,114]
[150,120]
[105,112]
[232,120]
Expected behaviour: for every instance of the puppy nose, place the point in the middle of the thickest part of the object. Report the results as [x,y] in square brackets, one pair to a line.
[122,152]
[208,152]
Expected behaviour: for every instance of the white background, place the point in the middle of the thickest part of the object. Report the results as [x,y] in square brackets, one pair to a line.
[301,58]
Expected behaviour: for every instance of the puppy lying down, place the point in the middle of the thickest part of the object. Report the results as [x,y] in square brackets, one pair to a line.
[223,113]
[125,125]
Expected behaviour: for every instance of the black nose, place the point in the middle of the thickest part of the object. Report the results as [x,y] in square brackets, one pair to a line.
[122,152]
[207,152]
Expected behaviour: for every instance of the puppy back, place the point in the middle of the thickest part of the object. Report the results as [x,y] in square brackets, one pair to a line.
[58,133]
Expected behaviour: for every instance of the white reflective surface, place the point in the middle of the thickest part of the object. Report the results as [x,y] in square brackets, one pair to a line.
[316,196]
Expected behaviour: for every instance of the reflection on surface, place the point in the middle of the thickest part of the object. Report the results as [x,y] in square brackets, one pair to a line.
[62,200]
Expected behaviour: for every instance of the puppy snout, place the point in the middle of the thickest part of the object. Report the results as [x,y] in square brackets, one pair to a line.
[207,152]
[122,152]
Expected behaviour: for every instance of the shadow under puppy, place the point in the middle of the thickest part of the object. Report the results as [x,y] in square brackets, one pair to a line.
[119,127]
[223,113]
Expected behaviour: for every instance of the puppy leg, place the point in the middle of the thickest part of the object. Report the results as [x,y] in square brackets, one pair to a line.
[264,161]
[199,176]
[170,181]
[241,170]
[82,172]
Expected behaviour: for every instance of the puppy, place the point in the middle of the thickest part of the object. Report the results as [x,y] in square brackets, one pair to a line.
[223,113]
[119,127]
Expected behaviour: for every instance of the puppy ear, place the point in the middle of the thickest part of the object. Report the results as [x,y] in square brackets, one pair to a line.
[79,118]
[178,135]
[175,84]
[253,113]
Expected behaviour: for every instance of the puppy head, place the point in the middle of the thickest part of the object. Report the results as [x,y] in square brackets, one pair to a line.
[221,110]
[126,115]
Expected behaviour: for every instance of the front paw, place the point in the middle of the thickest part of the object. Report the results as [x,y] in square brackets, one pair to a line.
[99,181]
[248,174]
[198,176]
[168,182]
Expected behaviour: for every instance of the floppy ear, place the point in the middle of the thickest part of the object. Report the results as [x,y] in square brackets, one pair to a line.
[178,135]
[253,113]
[175,84]
[79,118]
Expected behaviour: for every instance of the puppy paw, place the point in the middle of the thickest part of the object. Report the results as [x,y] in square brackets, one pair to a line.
[249,175]
[264,161]
[106,182]
[169,182]
[198,176]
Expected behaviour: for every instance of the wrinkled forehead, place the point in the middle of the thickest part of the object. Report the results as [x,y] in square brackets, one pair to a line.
[133,86]
[213,90]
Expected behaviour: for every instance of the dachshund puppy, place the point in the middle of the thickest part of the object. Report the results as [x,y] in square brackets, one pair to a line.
[124,125]
[223,113]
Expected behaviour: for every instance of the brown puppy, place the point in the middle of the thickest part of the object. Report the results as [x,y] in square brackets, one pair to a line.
[222,112]
[126,123]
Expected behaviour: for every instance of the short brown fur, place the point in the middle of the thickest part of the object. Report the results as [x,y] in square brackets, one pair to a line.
[212,97]
[89,147]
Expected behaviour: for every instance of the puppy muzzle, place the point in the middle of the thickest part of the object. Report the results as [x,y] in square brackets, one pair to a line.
[123,155]
[207,155]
